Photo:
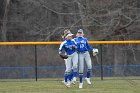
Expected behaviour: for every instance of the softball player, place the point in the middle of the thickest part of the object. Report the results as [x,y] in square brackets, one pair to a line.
[83,54]
[69,46]
[65,33]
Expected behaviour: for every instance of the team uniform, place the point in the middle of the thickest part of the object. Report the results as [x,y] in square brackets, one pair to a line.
[64,34]
[83,47]
[69,46]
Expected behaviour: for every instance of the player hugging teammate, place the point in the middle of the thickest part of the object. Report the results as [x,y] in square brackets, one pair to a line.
[69,46]
[82,47]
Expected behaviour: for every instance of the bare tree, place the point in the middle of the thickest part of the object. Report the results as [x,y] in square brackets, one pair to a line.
[4,24]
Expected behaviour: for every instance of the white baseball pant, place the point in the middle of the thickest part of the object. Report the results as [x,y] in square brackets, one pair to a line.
[84,57]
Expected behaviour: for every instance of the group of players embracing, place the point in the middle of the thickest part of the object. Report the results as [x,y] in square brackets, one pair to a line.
[75,51]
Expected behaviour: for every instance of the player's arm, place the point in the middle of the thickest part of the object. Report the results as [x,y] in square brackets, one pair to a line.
[74,44]
[61,48]
[94,50]
[88,46]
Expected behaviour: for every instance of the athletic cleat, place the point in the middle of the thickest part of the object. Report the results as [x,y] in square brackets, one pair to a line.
[65,83]
[74,79]
[88,81]
[68,84]
[72,82]
[80,85]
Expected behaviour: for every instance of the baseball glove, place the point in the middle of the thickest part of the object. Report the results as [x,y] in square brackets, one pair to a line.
[95,51]
[63,56]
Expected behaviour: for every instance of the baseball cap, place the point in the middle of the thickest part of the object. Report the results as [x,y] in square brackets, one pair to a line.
[70,34]
[80,31]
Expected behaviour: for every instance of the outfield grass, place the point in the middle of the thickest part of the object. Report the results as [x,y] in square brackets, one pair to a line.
[109,85]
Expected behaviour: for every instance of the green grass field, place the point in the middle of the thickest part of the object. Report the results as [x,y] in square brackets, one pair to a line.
[108,85]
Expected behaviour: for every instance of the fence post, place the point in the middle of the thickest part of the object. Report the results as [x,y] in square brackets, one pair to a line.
[101,62]
[35,62]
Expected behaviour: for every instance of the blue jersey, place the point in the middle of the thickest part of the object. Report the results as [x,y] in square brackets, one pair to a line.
[82,44]
[69,46]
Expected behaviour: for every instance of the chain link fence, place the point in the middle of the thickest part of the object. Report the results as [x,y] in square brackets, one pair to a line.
[35,62]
